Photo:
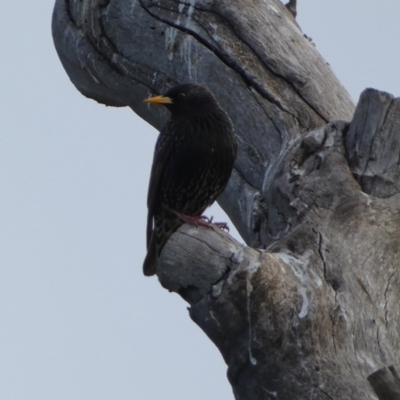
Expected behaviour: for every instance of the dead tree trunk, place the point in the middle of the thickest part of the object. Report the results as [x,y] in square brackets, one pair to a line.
[311,307]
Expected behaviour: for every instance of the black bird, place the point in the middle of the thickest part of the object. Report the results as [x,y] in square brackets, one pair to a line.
[193,160]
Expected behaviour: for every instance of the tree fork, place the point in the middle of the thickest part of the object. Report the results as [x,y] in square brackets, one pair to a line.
[309,307]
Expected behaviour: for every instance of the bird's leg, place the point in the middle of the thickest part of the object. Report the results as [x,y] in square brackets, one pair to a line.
[201,220]
[198,220]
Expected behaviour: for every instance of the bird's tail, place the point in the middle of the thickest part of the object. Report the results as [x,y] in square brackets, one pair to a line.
[150,262]
[163,229]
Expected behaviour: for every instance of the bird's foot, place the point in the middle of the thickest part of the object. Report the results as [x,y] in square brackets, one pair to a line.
[198,220]
[221,225]
[201,220]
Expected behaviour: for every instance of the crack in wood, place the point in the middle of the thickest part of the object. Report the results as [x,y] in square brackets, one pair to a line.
[386,299]
[266,113]
[383,358]
[312,385]
[320,252]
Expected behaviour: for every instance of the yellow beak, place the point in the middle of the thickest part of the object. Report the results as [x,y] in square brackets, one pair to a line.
[158,100]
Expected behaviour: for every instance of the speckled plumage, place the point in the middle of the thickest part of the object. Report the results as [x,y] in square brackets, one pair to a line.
[193,161]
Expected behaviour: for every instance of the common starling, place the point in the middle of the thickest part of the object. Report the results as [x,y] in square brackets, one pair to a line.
[193,160]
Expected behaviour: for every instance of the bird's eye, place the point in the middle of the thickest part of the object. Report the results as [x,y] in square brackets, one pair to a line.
[181,95]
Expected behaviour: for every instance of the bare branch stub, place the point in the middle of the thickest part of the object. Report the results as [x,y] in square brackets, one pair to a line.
[292,7]
[386,383]
[373,143]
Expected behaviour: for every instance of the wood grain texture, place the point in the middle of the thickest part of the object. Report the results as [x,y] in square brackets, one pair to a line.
[309,307]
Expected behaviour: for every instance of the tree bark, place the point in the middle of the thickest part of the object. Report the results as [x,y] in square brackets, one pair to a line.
[309,307]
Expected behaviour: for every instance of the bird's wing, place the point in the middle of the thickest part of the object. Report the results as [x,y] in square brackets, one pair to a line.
[161,153]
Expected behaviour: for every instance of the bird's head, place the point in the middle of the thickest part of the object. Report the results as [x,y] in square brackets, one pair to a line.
[186,99]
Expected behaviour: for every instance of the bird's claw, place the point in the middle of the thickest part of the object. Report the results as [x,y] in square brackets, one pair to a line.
[201,220]
[222,225]
[197,220]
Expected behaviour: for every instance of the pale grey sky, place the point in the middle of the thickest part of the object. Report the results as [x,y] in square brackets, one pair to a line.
[78,319]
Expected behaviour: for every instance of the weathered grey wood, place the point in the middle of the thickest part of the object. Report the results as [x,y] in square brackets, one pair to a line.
[373,143]
[310,306]
[317,312]
[386,383]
